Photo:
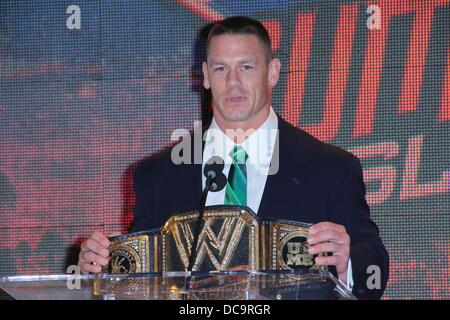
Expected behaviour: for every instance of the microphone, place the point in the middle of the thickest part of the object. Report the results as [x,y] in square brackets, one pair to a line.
[215,181]
[213,171]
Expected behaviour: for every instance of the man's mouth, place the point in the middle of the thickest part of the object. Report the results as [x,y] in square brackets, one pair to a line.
[235,99]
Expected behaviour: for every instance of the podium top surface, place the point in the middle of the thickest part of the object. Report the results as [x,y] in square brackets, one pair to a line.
[228,285]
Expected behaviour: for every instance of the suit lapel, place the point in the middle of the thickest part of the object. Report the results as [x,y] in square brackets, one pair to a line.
[186,180]
[193,171]
[286,190]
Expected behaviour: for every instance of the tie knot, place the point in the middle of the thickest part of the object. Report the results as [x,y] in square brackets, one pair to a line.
[239,155]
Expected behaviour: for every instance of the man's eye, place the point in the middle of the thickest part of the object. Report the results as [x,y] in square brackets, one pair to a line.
[219,69]
[247,67]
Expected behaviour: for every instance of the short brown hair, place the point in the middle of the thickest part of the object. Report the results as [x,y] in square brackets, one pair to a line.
[240,25]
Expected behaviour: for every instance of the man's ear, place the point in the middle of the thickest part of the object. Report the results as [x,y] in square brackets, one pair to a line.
[274,71]
[205,76]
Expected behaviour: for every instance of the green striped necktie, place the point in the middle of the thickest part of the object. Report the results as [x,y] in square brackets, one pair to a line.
[236,191]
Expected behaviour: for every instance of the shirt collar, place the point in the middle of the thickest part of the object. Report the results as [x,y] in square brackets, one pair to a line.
[259,145]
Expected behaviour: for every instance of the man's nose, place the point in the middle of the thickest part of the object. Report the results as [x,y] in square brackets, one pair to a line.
[233,77]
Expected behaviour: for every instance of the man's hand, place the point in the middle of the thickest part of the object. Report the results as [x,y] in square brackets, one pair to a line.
[94,250]
[330,237]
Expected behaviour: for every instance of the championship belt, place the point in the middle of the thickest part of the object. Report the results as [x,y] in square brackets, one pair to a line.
[134,253]
[230,238]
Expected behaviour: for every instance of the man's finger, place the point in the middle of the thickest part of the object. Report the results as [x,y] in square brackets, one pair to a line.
[322,226]
[87,267]
[324,247]
[83,247]
[100,238]
[89,256]
[336,260]
[322,236]
[327,261]
[96,247]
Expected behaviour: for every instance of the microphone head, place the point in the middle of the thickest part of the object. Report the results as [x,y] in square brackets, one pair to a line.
[212,174]
[213,169]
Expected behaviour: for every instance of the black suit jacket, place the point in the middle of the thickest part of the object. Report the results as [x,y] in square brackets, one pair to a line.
[315,182]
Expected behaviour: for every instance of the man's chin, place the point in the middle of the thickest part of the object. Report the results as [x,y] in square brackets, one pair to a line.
[235,115]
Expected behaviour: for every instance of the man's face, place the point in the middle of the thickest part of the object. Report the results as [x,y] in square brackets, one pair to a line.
[241,80]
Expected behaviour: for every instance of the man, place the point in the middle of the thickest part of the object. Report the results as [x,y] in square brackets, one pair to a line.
[314,182]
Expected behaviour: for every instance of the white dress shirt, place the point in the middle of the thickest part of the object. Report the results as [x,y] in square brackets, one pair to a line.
[259,147]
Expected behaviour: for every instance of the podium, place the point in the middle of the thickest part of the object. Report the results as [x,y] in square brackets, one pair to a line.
[229,285]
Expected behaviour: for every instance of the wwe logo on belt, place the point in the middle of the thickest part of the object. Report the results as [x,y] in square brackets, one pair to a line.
[220,248]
